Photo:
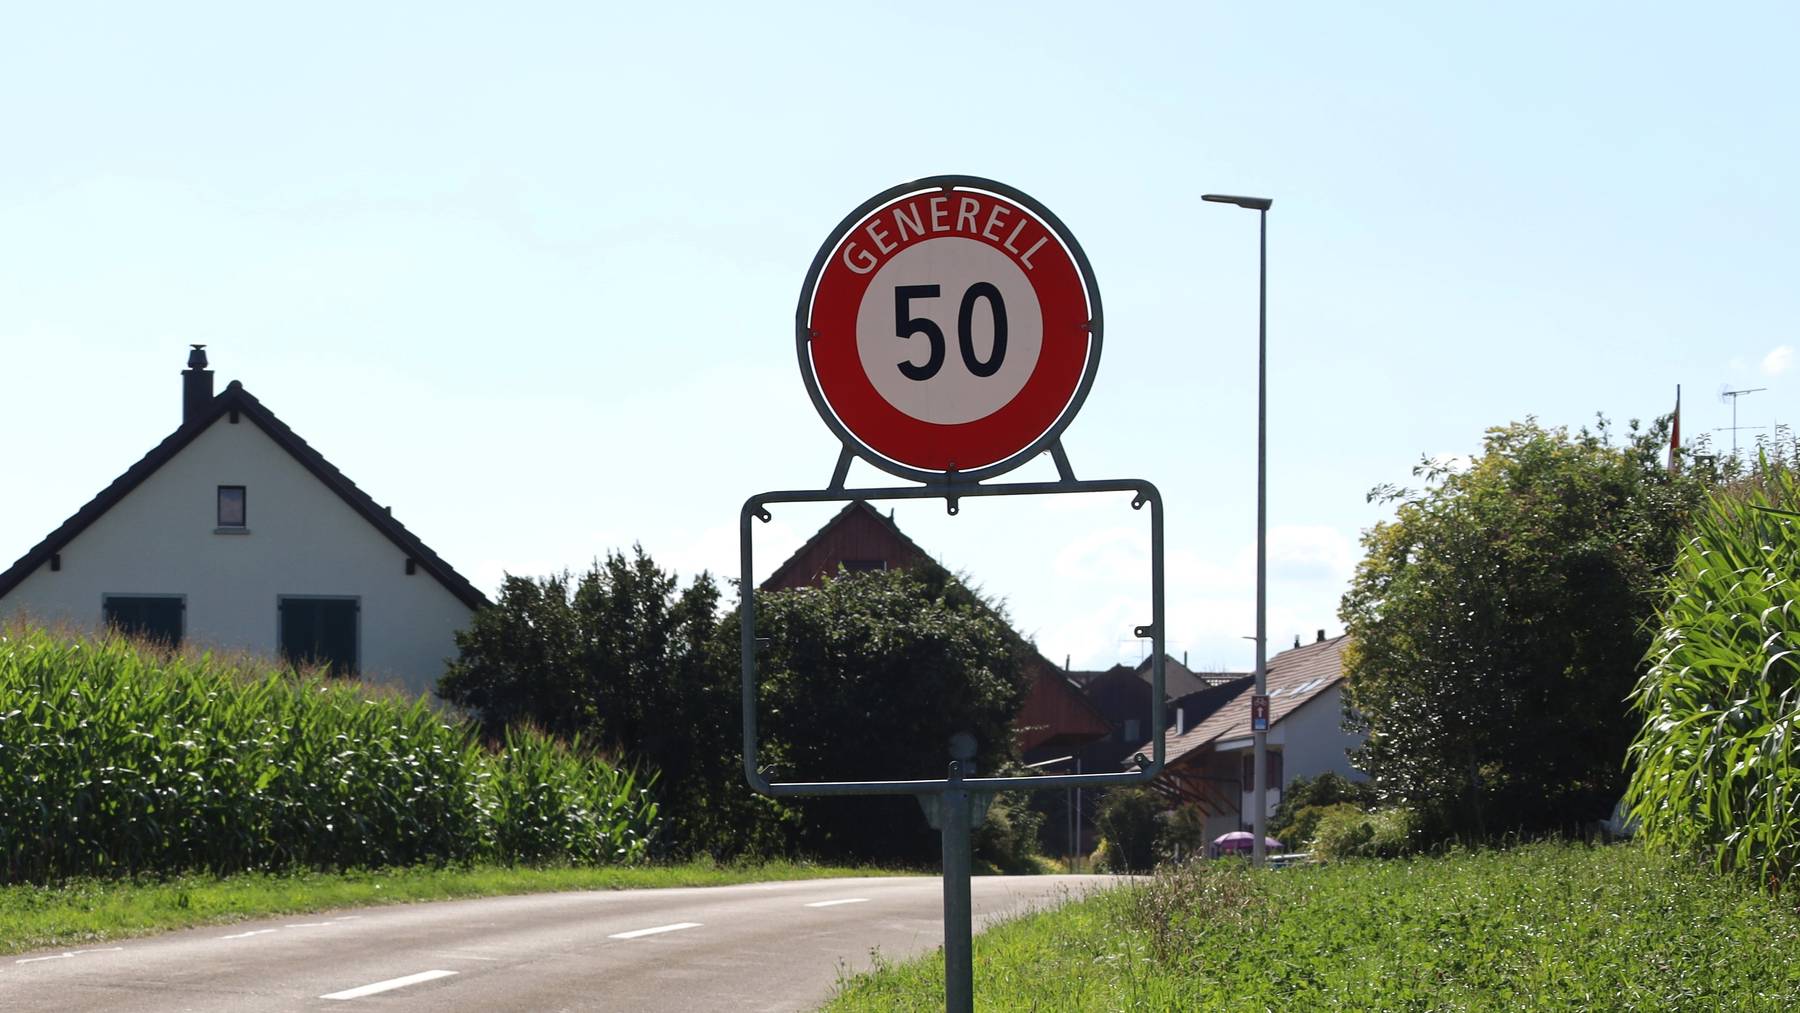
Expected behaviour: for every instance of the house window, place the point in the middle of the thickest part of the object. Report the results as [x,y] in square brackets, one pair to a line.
[1131,730]
[1272,762]
[320,632]
[156,617]
[232,508]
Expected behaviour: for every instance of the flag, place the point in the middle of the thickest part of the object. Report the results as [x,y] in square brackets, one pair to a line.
[1675,436]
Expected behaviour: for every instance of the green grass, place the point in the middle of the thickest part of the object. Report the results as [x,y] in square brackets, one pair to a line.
[1538,927]
[87,911]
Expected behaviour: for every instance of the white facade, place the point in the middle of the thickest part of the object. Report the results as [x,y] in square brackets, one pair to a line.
[301,538]
[1311,741]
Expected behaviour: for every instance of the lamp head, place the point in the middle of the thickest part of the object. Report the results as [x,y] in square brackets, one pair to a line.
[1253,203]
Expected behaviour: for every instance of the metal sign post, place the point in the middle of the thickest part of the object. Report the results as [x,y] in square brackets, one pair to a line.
[948,331]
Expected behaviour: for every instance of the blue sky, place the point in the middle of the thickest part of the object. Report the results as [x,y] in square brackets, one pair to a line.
[529,276]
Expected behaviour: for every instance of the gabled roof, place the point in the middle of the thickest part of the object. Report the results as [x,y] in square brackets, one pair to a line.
[1178,679]
[235,399]
[1294,677]
[854,512]
[1056,710]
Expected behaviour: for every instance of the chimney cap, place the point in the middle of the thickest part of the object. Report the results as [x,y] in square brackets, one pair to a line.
[1321,637]
[197,357]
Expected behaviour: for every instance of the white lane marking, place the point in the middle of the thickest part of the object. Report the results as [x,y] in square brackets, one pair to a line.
[70,953]
[677,927]
[835,903]
[247,935]
[346,918]
[312,925]
[388,985]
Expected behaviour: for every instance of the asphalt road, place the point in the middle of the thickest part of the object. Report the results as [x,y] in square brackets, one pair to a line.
[760,946]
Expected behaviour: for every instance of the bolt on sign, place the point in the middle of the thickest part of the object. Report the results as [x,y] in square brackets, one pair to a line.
[953,329]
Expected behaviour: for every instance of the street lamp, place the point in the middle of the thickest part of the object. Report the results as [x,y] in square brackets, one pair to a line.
[1260,778]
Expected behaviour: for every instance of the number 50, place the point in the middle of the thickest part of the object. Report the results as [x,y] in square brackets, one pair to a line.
[906,326]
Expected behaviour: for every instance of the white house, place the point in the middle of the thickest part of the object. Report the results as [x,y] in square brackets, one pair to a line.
[1211,764]
[234,533]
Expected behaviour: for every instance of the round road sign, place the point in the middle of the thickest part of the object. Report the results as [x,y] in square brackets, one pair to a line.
[949,325]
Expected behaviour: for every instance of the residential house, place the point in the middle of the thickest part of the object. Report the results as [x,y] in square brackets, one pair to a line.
[1210,763]
[235,533]
[1055,719]
[1122,694]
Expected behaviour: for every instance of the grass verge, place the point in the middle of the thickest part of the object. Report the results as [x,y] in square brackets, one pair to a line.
[1545,926]
[86,911]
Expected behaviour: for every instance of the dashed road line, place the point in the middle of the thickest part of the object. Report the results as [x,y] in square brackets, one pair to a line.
[68,954]
[247,935]
[635,933]
[835,903]
[388,985]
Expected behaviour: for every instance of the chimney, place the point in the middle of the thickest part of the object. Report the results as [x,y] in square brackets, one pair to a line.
[196,385]
[1321,637]
[1180,720]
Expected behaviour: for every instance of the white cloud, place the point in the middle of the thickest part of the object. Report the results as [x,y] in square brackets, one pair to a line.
[1777,362]
[1311,553]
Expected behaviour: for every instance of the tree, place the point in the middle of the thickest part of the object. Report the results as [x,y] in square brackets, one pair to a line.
[866,678]
[626,657]
[1498,620]
[1127,823]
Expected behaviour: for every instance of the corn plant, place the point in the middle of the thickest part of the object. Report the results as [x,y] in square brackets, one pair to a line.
[120,759]
[1717,767]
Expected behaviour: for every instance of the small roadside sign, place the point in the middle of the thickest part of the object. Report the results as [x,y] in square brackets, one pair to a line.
[1259,712]
[949,325]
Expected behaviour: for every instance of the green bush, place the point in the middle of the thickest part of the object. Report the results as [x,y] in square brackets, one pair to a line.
[1303,825]
[1127,821]
[119,759]
[1180,834]
[1008,838]
[1716,764]
[1346,831]
[1304,800]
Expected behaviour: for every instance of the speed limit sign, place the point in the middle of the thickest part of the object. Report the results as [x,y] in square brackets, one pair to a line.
[949,325]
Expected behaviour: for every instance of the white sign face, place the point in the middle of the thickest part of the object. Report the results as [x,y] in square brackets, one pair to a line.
[949,331]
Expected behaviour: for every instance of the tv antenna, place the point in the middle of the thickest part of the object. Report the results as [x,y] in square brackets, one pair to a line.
[1734,395]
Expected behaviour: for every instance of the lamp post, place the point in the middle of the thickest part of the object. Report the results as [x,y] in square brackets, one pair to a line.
[1260,777]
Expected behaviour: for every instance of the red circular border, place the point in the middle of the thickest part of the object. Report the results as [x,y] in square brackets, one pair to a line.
[1015,426]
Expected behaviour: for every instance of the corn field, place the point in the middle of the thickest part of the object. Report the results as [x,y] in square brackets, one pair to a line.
[1717,764]
[117,759]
